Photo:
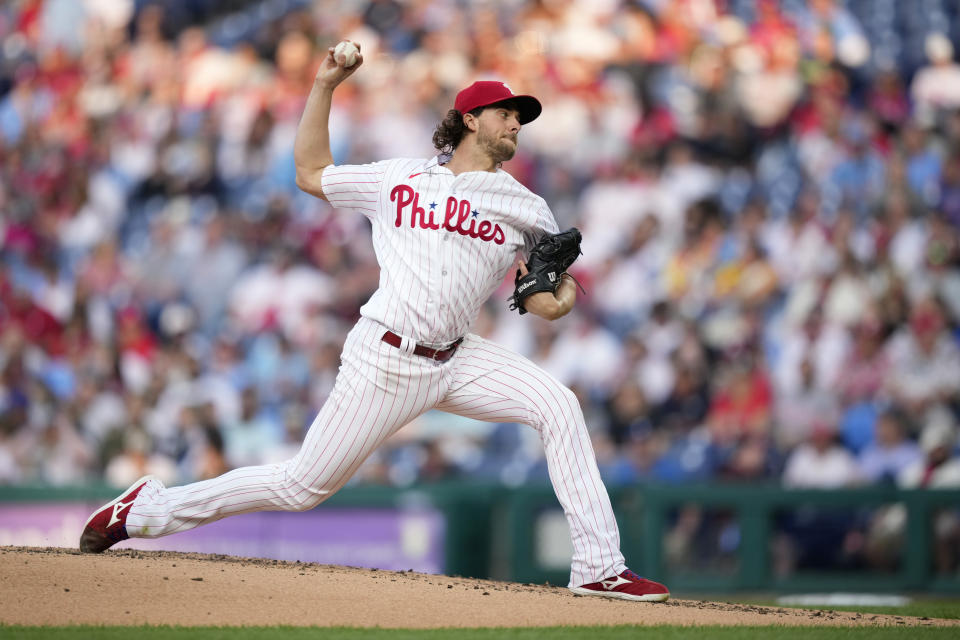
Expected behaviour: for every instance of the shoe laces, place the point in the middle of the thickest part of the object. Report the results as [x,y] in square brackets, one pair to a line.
[631,575]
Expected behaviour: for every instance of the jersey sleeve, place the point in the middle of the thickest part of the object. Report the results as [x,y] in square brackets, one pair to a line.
[543,224]
[354,186]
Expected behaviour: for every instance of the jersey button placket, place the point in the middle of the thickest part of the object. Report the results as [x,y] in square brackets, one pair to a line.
[445,253]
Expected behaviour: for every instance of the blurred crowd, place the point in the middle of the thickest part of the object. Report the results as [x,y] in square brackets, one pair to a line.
[769,193]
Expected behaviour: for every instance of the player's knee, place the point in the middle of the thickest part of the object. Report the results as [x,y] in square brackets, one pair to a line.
[563,402]
[307,501]
[305,491]
[304,498]
[569,398]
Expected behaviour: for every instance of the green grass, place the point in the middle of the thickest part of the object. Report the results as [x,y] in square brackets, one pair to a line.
[553,633]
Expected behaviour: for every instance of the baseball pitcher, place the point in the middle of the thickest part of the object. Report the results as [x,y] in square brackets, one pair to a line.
[446,230]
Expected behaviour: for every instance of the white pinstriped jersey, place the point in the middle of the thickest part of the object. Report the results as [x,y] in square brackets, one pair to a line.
[444,242]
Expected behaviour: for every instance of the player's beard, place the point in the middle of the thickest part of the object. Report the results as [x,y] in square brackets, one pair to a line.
[499,149]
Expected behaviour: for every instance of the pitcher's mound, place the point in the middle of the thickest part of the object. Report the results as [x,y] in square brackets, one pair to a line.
[126,587]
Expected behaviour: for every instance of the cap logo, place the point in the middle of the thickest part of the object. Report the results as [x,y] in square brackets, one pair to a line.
[507,87]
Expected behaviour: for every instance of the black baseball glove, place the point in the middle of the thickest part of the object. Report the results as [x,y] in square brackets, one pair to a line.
[549,260]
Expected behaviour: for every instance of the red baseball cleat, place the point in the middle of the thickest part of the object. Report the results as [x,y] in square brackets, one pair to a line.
[108,524]
[626,586]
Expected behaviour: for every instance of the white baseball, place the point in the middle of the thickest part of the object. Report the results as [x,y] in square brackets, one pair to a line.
[346,52]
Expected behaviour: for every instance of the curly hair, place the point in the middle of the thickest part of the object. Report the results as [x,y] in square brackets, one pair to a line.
[451,130]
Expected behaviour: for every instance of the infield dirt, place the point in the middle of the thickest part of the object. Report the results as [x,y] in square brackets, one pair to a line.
[123,587]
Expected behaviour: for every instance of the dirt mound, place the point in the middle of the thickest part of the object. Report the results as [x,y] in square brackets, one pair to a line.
[62,586]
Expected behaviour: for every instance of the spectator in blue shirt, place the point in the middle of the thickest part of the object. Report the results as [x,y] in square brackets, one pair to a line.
[891,451]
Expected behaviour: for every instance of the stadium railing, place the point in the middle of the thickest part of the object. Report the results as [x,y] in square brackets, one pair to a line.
[519,534]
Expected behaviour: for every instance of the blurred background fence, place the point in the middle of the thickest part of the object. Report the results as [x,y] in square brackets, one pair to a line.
[769,193]
[697,538]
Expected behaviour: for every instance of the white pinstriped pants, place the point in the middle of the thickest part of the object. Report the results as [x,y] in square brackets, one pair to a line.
[379,389]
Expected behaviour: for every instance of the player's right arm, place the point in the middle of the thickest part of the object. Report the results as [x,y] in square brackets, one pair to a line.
[311,149]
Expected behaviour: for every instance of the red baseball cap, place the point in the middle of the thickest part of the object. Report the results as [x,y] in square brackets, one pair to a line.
[484,93]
